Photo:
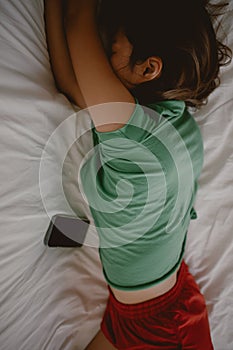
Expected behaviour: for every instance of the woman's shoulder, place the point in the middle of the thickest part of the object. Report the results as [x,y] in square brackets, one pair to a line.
[167,121]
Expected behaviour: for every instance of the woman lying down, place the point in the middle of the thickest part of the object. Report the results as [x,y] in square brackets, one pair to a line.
[152,60]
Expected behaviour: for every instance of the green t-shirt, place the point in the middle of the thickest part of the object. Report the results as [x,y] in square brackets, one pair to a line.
[140,182]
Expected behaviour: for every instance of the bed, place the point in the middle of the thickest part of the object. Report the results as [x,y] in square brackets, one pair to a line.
[53,299]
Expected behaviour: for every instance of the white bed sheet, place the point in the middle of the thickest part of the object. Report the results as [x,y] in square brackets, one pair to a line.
[49,299]
[54,299]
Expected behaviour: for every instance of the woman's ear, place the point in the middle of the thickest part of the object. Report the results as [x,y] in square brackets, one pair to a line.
[147,70]
[152,68]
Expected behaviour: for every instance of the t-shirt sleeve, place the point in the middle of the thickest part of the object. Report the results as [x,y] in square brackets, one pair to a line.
[139,126]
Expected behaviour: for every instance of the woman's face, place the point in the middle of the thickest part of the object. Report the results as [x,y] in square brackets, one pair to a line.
[120,59]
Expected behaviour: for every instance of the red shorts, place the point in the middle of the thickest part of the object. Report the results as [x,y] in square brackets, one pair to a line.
[175,320]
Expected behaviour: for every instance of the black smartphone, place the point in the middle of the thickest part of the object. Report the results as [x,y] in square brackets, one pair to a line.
[66,231]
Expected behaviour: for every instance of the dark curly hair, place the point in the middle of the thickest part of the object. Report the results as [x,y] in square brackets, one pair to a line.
[182,33]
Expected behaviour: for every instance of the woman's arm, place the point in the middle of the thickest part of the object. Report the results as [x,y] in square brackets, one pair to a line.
[97,81]
[59,54]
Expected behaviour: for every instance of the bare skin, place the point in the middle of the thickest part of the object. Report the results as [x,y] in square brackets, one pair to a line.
[100,342]
[59,54]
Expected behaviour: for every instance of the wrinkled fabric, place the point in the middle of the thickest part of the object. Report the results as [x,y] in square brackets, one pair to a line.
[175,320]
[141,183]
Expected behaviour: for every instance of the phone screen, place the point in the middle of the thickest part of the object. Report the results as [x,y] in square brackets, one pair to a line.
[66,231]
